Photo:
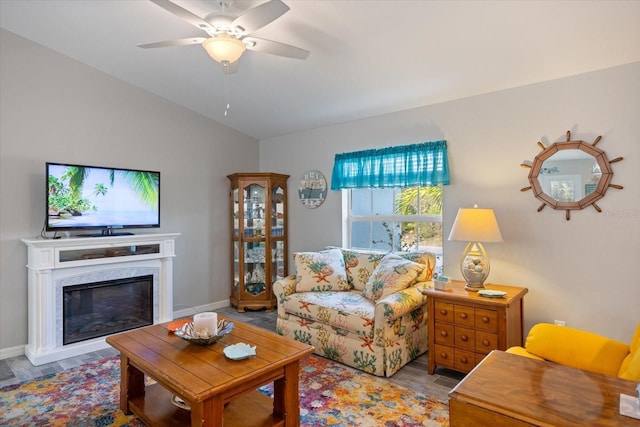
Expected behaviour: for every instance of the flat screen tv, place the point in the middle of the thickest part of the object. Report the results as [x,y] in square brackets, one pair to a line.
[81,197]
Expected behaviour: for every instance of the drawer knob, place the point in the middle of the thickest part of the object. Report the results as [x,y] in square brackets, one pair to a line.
[464,338]
[443,311]
[443,355]
[485,319]
[443,333]
[463,315]
[485,342]
[464,360]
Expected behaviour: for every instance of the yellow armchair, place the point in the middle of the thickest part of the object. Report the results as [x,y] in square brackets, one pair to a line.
[583,350]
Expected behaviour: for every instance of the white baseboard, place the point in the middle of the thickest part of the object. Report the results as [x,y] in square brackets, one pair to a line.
[6,353]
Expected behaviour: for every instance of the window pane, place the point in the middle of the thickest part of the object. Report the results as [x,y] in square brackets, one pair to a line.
[429,235]
[361,202]
[383,201]
[386,235]
[563,191]
[361,235]
[419,201]
[409,240]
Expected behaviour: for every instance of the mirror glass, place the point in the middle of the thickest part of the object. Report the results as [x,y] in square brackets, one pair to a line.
[569,175]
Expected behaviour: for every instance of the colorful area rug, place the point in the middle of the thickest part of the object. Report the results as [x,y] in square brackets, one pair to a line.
[330,395]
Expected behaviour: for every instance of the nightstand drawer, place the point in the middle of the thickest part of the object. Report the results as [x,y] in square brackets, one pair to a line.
[443,312]
[486,320]
[485,342]
[444,356]
[465,360]
[463,315]
[465,338]
[444,334]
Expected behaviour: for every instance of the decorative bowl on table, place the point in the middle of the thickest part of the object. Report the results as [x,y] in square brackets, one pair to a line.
[188,333]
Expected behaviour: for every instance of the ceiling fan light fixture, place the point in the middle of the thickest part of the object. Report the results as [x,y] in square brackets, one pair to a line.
[224,47]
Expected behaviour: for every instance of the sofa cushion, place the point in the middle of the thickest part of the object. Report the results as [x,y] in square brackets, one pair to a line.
[320,271]
[359,265]
[392,274]
[344,311]
[427,259]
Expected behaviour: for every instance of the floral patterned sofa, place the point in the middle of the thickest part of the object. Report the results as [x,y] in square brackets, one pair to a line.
[361,308]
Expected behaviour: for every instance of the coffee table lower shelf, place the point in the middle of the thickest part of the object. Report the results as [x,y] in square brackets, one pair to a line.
[254,409]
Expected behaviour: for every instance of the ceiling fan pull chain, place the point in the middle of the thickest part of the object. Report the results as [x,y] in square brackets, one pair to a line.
[226,88]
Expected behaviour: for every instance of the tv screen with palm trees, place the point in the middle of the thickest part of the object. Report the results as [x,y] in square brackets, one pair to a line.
[91,197]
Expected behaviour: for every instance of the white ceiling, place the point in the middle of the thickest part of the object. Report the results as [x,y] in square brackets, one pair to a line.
[368,57]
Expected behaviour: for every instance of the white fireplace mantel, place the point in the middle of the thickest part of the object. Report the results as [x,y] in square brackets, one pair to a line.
[55,263]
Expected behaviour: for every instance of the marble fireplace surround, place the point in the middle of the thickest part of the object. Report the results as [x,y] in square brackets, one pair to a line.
[56,264]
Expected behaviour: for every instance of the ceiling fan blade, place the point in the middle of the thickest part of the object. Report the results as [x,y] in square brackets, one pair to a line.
[178,42]
[275,48]
[230,68]
[260,16]
[182,13]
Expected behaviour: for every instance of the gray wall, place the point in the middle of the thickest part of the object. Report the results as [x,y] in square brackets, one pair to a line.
[55,109]
[582,271]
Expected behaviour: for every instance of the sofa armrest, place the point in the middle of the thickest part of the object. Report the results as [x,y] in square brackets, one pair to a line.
[283,288]
[399,303]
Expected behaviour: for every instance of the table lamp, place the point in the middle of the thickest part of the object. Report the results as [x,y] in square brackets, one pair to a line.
[475,226]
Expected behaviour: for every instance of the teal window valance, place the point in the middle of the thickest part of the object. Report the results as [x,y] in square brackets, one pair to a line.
[413,165]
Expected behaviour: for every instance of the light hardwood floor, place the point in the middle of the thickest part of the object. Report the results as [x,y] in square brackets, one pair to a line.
[412,376]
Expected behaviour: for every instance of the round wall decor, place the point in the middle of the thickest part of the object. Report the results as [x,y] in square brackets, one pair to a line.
[312,189]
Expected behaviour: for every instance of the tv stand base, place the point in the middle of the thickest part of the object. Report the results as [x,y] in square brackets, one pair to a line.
[109,231]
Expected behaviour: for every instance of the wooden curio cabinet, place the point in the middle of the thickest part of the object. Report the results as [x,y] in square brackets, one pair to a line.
[258,238]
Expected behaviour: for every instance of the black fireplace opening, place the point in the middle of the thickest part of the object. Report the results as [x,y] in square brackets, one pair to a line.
[97,309]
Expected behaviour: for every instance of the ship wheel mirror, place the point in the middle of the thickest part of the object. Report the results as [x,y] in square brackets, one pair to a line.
[570,175]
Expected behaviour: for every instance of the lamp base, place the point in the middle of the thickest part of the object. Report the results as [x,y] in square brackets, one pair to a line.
[474,265]
[473,287]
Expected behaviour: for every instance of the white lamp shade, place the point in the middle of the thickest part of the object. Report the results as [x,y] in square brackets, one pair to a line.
[475,225]
[224,47]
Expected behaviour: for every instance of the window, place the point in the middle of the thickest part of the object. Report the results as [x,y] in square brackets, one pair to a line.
[392,197]
[563,188]
[394,219]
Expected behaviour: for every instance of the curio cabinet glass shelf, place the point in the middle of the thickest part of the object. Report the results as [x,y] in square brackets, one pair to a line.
[258,238]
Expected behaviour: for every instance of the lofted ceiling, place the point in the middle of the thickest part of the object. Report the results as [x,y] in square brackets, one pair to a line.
[368,57]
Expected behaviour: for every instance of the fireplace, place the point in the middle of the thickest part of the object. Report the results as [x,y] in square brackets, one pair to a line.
[92,310]
[84,289]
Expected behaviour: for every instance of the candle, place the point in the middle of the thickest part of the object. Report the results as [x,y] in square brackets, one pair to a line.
[205,324]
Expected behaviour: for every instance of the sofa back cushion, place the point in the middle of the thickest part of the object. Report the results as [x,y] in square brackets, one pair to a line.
[577,348]
[630,368]
[392,274]
[320,271]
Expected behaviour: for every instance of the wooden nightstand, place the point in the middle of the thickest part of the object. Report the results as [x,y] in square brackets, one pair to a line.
[464,326]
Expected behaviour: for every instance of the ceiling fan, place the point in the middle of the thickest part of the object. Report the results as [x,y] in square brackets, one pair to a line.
[229,36]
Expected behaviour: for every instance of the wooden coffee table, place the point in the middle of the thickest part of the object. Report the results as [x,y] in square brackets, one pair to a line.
[212,385]
[515,391]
